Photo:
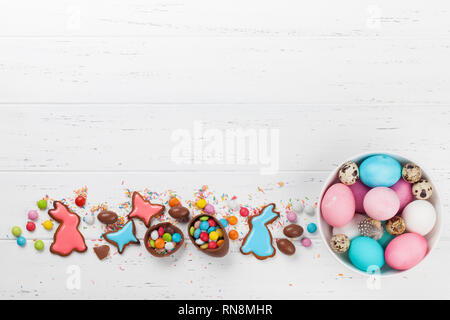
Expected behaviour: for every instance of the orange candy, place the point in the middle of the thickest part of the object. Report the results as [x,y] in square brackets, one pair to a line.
[159,243]
[173,202]
[233,234]
[219,243]
[232,220]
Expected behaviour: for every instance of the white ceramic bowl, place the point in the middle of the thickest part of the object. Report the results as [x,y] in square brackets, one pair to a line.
[326,230]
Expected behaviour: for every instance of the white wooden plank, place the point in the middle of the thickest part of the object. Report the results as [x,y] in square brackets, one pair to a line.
[220,70]
[322,18]
[139,137]
[311,273]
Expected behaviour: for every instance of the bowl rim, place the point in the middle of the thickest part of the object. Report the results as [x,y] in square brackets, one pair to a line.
[438,208]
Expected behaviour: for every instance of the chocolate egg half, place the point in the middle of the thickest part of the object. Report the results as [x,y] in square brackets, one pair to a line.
[168,228]
[217,252]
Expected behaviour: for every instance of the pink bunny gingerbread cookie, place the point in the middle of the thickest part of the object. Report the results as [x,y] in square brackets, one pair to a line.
[67,237]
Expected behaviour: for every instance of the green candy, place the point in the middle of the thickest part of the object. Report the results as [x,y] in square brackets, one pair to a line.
[167,237]
[42,204]
[152,243]
[16,231]
[204,218]
[191,231]
[39,245]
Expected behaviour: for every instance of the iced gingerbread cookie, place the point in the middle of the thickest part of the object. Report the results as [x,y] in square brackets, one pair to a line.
[145,210]
[123,237]
[258,240]
[67,237]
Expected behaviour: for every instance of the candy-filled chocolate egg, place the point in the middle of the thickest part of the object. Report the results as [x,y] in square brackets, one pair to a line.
[359,191]
[350,229]
[381,203]
[419,217]
[380,171]
[338,205]
[404,193]
[366,253]
[406,251]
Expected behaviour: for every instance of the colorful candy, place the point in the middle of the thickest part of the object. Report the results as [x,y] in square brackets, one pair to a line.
[244,212]
[173,202]
[312,227]
[163,240]
[21,241]
[80,201]
[16,231]
[33,215]
[201,203]
[176,237]
[206,233]
[31,226]
[39,245]
[233,234]
[232,220]
[224,222]
[306,242]
[48,224]
[42,204]
[291,216]
[209,209]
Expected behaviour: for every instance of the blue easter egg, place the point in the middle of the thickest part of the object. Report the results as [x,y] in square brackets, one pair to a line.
[224,222]
[176,237]
[386,237]
[211,229]
[380,171]
[21,241]
[312,227]
[204,225]
[366,254]
[197,233]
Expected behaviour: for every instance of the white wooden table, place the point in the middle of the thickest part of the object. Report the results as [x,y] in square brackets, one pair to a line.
[92,91]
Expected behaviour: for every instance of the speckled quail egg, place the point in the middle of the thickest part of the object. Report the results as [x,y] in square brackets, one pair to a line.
[349,173]
[411,173]
[396,226]
[422,190]
[339,243]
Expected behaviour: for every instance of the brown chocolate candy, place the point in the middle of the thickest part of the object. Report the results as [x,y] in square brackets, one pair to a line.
[179,213]
[293,231]
[217,252]
[107,217]
[102,251]
[286,246]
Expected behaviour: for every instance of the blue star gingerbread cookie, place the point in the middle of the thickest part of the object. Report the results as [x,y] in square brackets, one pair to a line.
[123,237]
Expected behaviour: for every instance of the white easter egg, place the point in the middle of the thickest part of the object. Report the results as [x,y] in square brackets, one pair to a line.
[419,216]
[309,210]
[298,206]
[351,228]
[89,219]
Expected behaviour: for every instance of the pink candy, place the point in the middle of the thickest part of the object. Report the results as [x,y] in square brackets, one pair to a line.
[292,217]
[306,242]
[209,209]
[33,215]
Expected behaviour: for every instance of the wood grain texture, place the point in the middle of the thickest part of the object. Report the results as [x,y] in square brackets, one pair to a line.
[91,93]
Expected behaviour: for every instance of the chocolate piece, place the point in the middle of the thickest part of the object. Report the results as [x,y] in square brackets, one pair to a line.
[107,217]
[102,251]
[293,231]
[180,213]
[286,246]
[169,228]
[67,237]
[258,240]
[217,252]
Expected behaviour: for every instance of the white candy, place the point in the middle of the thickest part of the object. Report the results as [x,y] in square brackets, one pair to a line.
[199,241]
[169,246]
[298,206]
[419,217]
[350,229]
[233,204]
[89,219]
[309,210]
[154,235]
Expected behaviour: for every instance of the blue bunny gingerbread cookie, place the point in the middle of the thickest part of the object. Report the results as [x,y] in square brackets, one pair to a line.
[258,240]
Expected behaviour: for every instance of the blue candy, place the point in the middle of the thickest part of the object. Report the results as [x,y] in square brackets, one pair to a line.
[21,241]
[197,233]
[312,227]
[224,222]
[176,237]
[204,225]
[211,229]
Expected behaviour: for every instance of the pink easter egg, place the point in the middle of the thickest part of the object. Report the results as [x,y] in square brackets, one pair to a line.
[406,251]
[381,203]
[338,205]
[359,191]
[404,193]
[291,216]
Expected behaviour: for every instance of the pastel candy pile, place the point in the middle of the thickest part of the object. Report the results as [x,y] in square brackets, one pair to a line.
[380,192]
[207,234]
[163,241]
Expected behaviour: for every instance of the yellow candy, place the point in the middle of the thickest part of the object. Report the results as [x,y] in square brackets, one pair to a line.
[219,233]
[48,225]
[213,236]
[201,203]
[204,246]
